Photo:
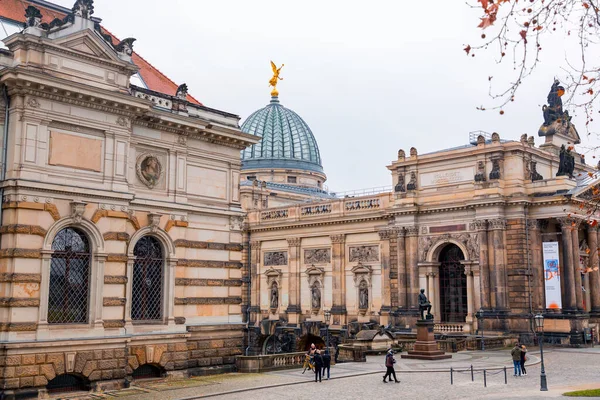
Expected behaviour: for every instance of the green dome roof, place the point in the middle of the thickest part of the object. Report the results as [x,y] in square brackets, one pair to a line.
[287,141]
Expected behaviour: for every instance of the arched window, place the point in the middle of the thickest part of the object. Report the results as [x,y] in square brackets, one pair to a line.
[147,282]
[68,295]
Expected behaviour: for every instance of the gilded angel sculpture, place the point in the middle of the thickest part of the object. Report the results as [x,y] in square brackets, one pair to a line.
[273,81]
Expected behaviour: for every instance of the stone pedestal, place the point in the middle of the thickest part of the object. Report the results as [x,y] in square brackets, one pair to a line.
[426,347]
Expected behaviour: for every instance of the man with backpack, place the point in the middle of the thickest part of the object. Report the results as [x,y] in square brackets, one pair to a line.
[389,364]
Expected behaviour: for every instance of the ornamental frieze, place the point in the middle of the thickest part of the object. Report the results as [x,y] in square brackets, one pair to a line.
[317,256]
[275,258]
[364,254]
[468,240]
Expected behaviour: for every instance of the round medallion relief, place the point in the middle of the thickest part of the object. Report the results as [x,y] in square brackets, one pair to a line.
[149,169]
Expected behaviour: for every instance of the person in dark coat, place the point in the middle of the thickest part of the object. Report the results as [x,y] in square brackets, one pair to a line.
[389,364]
[326,363]
[318,365]
[523,359]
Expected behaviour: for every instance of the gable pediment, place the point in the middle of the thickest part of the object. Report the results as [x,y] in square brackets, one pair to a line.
[88,43]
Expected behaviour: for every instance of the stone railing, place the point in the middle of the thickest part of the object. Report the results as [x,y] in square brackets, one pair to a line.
[274,214]
[450,328]
[362,204]
[316,209]
[269,362]
[334,208]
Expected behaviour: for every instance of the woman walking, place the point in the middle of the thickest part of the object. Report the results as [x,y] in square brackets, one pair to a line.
[523,359]
[389,364]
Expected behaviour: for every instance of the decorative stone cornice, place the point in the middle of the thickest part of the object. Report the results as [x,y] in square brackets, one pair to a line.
[294,242]
[497,224]
[338,238]
[196,244]
[412,230]
[183,262]
[207,300]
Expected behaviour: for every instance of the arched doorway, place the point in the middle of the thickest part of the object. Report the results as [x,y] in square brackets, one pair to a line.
[306,340]
[453,285]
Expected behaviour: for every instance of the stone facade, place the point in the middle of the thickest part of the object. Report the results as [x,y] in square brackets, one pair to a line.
[482,201]
[90,153]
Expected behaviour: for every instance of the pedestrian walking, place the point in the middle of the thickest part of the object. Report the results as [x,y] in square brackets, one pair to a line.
[389,364]
[516,357]
[523,359]
[326,363]
[318,365]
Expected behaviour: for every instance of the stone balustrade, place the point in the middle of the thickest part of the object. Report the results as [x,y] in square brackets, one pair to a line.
[269,362]
[334,208]
[451,328]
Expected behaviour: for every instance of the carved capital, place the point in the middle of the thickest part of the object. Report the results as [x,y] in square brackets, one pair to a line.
[294,242]
[592,228]
[534,224]
[567,222]
[338,238]
[497,224]
[255,244]
[412,230]
[480,224]
[384,234]
[400,232]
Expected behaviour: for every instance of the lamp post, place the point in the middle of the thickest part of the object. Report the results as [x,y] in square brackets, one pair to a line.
[479,315]
[539,327]
[327,319]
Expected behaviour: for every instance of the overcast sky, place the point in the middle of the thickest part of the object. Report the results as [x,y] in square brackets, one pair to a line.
[369,78]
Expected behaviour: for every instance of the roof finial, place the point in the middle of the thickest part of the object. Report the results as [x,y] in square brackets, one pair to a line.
[273,81]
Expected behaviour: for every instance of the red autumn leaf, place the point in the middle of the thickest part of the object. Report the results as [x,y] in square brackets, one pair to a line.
[484,3]
[586,5]
[523,34]
[486,21]
[593,223]
[467,49]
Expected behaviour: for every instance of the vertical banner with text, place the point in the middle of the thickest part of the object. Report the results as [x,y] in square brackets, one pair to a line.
[552,275]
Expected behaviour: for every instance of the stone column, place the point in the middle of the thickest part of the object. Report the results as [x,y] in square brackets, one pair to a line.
[497,227]
[386,300]
[595,274]
[537,264]
[294,310]
[568,278]
[484,266]
[255,286]
[470,295]
[577,265]
[402,305]
[412,267]
[431,293]
[338,266]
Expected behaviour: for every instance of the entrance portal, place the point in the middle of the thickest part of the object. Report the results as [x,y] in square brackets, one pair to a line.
[453,285]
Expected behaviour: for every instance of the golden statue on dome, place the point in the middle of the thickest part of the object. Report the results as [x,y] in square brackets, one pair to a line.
[273,81]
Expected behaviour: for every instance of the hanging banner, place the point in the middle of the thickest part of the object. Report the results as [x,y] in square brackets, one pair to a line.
[552,275]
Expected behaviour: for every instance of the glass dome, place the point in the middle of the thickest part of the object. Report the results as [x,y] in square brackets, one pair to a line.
[287,141]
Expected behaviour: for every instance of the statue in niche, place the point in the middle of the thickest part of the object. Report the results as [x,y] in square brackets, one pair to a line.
[316,296]
[567,162]
[363,296]
[480,175]
[412,184]
[274,296]
[535,176]
[495,173]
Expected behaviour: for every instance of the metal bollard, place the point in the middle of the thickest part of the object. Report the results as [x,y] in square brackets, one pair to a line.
[472,377]
[505,381]
[451,377]
[484,379]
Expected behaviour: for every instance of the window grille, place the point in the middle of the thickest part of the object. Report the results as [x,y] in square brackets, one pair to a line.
[147,283]
[453,285]
[68,295]
[67,383]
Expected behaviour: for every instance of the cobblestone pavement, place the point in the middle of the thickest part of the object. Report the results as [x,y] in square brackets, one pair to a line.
[567,369]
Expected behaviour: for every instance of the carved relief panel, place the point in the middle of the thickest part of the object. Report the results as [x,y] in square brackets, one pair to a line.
[317,256]
[364,254]
[275,258]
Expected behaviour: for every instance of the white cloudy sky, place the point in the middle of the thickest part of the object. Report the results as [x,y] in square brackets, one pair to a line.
[368,77]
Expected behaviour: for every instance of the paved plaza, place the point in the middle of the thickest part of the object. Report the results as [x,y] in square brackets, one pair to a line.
[567,369]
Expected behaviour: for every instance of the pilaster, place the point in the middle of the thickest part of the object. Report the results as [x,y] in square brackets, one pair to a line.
[498,267]
[294,310]
[338,266]
[568,279]
[412,266]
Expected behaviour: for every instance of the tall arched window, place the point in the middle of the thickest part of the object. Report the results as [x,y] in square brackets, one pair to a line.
[68,295]
[147,282]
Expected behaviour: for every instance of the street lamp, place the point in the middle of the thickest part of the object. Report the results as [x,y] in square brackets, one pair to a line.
[539,327]
[327,319]
[479,315]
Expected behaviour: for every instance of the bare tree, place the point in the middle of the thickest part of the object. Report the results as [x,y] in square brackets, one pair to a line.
[515,31]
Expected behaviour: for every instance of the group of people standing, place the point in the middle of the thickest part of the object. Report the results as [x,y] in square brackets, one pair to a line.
[519,356]
[321,360]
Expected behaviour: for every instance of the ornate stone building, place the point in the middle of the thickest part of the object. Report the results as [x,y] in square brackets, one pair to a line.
[121,222]
[467,224]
